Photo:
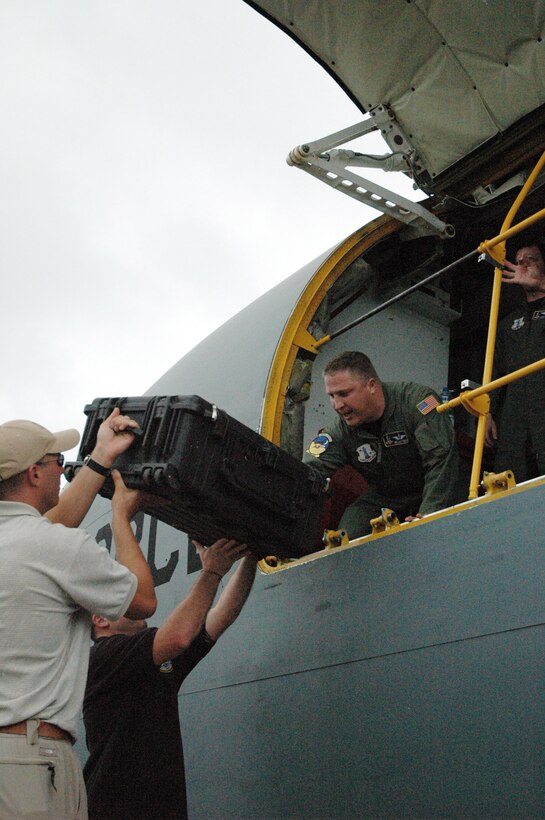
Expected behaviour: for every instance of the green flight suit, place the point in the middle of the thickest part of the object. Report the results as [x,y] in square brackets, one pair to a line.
[409,457]
[519,408]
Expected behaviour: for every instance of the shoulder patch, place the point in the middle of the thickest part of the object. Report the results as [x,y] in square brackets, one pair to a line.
[319,444]
[428,404]
[166,667]
[366,453]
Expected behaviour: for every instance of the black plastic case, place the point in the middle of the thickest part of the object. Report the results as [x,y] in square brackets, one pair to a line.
[220,477]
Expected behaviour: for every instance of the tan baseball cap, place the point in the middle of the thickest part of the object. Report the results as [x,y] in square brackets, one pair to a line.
[23,443]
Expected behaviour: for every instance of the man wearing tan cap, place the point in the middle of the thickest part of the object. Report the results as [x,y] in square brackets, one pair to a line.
[53,577]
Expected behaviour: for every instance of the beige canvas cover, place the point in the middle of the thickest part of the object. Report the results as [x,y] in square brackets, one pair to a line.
[456,73]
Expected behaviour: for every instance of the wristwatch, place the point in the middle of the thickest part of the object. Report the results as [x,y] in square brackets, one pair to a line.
[94,465]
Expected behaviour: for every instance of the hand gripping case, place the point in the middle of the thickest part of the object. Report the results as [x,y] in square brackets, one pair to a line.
[218,477]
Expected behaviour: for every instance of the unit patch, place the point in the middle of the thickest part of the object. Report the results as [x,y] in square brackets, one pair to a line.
[538,314]
[366,453]
[319,444]
[518,323]
[166,667]
[428,404]
[395,439]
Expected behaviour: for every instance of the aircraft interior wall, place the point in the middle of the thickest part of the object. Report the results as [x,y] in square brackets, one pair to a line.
[437,335]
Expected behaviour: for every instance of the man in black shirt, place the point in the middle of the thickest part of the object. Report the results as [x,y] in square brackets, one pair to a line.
[136,767]
[516,423]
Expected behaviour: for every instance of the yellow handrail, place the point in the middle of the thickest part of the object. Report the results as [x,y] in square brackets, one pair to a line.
[498,243]
[466,397]
[488,244]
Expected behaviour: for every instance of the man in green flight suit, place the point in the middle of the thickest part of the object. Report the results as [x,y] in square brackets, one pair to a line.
[392,435]
[519,408]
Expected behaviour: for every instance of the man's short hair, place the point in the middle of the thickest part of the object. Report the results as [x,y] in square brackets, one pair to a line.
[540,244]
[531,241]
[11,486]
[355,361]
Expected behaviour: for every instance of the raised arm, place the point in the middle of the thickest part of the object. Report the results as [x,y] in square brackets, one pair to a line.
[186,621]
[113,438]
[232,598]
[125,504]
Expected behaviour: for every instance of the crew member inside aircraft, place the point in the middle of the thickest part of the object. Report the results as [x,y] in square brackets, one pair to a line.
[516,423]
[136,765]
[53,577]
[391,434]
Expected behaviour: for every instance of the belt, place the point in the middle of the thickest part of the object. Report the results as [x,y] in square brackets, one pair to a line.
[44,730]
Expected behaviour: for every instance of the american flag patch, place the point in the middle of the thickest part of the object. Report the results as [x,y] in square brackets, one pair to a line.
[427,404]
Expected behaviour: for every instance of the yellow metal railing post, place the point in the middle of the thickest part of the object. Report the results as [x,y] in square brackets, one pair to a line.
[498,243]
[487,377]
[492,327]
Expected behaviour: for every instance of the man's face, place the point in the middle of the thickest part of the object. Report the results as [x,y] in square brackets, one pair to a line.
[355,399]
[51,472]
[531,268]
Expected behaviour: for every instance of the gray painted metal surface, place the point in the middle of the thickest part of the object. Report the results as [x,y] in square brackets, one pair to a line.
[230,367]
[399,679]
[431,584]
[447,731]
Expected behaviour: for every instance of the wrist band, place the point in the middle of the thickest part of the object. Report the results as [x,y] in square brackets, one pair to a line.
[94,465]
[213,572]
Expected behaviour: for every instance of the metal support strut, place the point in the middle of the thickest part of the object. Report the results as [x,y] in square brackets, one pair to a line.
[321,160]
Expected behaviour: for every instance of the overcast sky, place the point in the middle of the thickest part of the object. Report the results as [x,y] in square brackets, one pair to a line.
[145,193]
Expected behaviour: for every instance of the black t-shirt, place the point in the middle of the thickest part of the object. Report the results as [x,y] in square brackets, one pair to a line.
[136,765]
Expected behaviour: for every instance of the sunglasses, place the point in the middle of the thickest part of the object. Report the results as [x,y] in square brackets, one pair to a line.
[59,459]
